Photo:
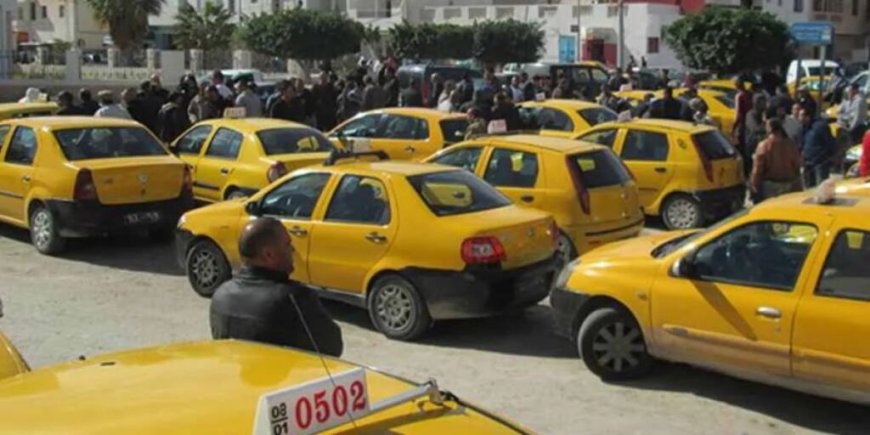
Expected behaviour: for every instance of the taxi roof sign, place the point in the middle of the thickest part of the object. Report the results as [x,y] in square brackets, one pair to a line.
[235,112]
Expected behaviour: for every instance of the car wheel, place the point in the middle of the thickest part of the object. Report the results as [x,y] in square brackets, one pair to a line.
[44,233]
[682,212]
[236,194]
[612,345]
[565,248]
[397,310]
[207,268]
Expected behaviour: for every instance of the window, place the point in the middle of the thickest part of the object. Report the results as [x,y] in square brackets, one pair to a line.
[465,158]
[601,169]
[798,5]
[453,130]
[546,11]
[360,200]
[296,198]
[22,147]
[508,168]
[231,6]
[4,130]
[542,118]
[476,13]
[192,142]
[713,145]
[855,7]
[364,126]
[33,11]
[102,143]
[818,5]
[597,115]
[761,254]
[404,127]
[293,140]
[599,76]
[226,144]
[601,137]
[652,45]
[456,192]
[61,11]
[846,273]
[44,12]
[645,146]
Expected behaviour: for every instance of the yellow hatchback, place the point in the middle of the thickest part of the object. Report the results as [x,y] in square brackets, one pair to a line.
[776,294]
[563,118]
[720,105]
[585,187]
[234,158]
[686,173]
[410,242]
[65,177]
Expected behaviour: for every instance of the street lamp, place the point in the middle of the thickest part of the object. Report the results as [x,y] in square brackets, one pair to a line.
[620,49]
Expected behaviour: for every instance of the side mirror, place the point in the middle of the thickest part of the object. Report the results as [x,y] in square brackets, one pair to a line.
[253,208]
[684,267]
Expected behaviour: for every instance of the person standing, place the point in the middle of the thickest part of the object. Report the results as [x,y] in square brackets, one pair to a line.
[204,105]
[249,100]
[776,164]
[349,102]
[436,89]
[666,107]
[616,80]
[65,103]
[700,114]
[782,99]
[476,123]
[373,96]
[505,109]
[445,102]
[864,164]
[173,118]
[263,304]
[326,97]
[756,130]
[743,104]
[466,88]
[517,93]
[391,88]
[218,80]
[89,106]
[108,107]
[411,96]
[818,148]
[853,114]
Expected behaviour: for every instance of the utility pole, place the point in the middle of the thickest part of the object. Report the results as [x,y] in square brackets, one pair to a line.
[620,49]
[579,33]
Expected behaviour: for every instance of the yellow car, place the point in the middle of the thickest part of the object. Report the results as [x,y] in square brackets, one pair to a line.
[564,118]
[776,294]
[65,177]
[688,174]
[27,110]
[720,106]
[231,387]
[403,133]
[586,188]
[234,158]
[359,230]
[852,160]
[725,86]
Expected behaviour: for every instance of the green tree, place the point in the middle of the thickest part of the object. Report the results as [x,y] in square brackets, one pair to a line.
[499,42]
[727,41]
[207,29]
[127,20]
[431,41]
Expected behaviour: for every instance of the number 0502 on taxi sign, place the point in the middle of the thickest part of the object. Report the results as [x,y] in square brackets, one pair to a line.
[314,406]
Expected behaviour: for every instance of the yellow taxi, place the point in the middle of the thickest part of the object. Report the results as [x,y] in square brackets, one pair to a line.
[776,294]
[854,186]
[404,133]
[688,174]
[236,157]
[26,110]
[65,177]
[852,160]
[563,118]
[720,106]
[586,188]
[359,230]
[725,86]
[231,387]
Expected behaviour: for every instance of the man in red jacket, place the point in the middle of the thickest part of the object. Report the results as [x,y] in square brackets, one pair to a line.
[865,156]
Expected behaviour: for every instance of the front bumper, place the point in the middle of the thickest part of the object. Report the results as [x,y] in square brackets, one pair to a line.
[718,203]
[566,305]
[182,245]
[90,218]
[478,292]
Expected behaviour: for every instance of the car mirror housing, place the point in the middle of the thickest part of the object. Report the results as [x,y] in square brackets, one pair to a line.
[253,208]
[684,267]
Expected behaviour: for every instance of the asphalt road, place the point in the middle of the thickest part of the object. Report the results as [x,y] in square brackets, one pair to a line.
[108,295]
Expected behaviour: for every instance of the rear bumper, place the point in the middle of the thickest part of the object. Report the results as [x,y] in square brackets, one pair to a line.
[482,292]
[718,203]
[587,237]
[566,304]
[88,219]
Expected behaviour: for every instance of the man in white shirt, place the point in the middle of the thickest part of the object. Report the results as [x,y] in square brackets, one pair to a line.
[217,79]
[108,107]
[249,100]
[853,114]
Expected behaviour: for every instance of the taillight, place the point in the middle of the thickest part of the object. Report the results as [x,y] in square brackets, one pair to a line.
[85,189]
[579,187]
[554,233]
[483,250]
[276,171]
[187,183]
[705,162]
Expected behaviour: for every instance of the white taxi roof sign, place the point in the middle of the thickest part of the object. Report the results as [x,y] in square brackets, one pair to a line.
[496,126]
[43,98]
[235,112]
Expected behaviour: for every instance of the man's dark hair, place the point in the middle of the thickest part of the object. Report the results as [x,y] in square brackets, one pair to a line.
[772,112]
[65,97]
[145,86]
[669,91]
[85,95]
[217,74]
[855,86]
[257,235]
[776,126]
[176,97]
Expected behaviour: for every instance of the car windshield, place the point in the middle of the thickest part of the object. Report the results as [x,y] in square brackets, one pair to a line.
[293,140]
[456,192]
[454,130]
[713,145]
[597,115]
[677,243]
[107,142]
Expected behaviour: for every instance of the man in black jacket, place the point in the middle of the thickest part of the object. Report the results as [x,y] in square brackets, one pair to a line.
[262,304]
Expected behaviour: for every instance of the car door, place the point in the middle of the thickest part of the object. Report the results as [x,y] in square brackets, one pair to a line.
[734,310]
[189,146]
[608,137]
[404,137]
[217,163]
[517,174]
[646,153]
[832,326]
[358,134]
[356,231]
[294,203]
[467,156]
[555,122]
[16,173]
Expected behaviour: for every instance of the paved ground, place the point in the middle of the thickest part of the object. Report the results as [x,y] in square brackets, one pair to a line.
[107,295]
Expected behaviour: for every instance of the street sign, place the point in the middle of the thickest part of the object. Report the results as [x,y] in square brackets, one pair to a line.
[813,32]
[567,48]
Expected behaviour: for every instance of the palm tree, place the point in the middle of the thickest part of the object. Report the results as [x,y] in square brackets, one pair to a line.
[207,29]
[127,20]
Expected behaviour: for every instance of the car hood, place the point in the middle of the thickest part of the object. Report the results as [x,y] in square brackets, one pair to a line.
[638,247]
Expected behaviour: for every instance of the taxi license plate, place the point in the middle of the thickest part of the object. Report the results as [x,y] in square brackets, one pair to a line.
[147,217]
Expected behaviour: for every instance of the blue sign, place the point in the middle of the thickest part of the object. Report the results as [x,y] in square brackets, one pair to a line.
[567,49]
[813,32]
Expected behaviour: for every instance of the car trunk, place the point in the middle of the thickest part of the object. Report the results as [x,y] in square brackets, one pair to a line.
[612,192]
[136,179]
[524,233]
[298,160]
[721,165]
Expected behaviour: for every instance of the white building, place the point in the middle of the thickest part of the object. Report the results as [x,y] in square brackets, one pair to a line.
[8,11]
[40,22]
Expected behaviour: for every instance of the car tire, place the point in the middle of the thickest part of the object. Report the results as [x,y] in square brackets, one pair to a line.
[612,345]
[397,310]
[44,233]
[682,212]
[206,267]
[236,194]
[565,248]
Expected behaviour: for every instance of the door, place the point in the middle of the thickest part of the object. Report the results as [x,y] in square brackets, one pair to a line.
[189,146]
[646,155]
[294,203]
[735,310]
[466,157]
[356,232]
[832,325]
[214,168]
[554,122]
[358,134]
[16,173]
[516,174]
[605,136]
[405,137]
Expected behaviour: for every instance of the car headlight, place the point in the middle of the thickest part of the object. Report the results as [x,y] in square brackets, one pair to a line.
[565,274]
[181,221]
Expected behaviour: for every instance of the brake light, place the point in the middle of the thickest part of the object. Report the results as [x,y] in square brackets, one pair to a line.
[705,162]
[579,186]
[187,182]
[276,171]
[554,233]
[85,189]
[483,250]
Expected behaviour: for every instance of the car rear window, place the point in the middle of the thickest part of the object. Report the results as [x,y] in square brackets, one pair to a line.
[597,115]
[454,130]
[601,169]
[713,145]
[293,140]
[456,192]
[107,142]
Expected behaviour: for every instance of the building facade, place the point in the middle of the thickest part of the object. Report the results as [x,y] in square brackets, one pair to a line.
[40,22]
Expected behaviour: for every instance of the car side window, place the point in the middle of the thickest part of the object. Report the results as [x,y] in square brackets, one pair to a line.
[192,142]
[509,168]
[465,158]
[551,119]
[768,254]
[403,127]
[646,146]
[226,144]
[22,147]
[365,126]
[361,200]
[847,269]
[601,137]
[4,131]
[296,198]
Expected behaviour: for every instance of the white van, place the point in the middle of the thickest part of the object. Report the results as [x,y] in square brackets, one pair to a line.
[810,67]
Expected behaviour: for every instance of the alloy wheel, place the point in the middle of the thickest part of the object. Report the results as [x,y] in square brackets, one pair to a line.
[205,268]
[394,307]
[682,213]
[618,347]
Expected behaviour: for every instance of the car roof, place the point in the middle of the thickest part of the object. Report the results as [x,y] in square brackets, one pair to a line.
[385,167]
[845,205]
[565,104]
[557,144]
[27,107]
[669,124]
[419,112]
[252,125]
[58,122]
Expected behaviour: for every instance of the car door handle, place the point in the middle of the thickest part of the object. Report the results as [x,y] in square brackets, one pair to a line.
[297,231]
[225,171]
[661,170]
[410,149]
[769,312]
[25,179]
[376,238]
[527,198]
